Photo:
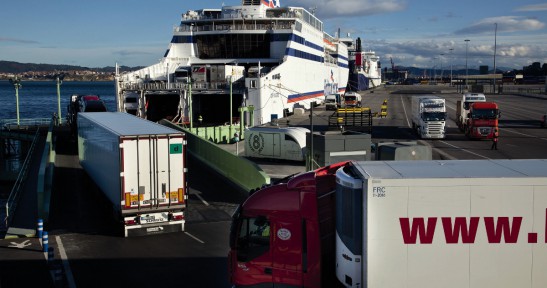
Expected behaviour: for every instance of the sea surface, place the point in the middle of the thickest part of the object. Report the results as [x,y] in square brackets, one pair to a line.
[38,99]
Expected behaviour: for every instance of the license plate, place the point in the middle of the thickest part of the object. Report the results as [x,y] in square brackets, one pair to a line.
[153,218]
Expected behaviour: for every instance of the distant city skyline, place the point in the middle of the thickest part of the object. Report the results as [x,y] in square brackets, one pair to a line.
[413,33]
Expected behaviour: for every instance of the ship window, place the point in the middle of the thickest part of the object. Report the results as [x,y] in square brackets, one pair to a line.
[222,46]
[253,239]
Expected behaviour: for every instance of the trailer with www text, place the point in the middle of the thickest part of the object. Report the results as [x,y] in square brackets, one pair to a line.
[453,223]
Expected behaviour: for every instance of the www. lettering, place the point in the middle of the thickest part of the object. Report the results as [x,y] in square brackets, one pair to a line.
[498,229]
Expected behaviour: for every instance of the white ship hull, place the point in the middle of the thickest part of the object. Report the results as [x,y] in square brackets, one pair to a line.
[285,59]
[365,69]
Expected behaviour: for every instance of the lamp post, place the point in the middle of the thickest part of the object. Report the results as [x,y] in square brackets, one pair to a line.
[230,128]
[60,78]
[16,84]
[200,120]
[466,71]
[442,71]
[495,44]
[450,57]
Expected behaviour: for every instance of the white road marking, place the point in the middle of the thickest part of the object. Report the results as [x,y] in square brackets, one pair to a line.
[454,146]
[195,238]
[20,245]
[201,198]
[523,134]
[404,109]
[66,265]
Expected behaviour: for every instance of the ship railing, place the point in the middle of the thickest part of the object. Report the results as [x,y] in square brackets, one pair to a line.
[160,86]
[261,24]
[8,124]
[18,186]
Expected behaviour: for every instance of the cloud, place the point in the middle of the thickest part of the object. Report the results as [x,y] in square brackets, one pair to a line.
[15,40]
[533,8]
[327,9]
[428,53]
[505,24]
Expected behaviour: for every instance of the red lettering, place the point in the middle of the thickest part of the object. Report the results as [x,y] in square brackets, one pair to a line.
[510,234]
[418,226]
[452,233]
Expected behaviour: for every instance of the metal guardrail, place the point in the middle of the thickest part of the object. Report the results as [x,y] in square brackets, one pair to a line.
[33,122]
[13,197]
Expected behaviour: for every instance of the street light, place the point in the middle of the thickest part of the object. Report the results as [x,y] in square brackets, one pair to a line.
[451,65]
[16,84]
[60,78]
[200,120]
[466,71]
[495,44]
[442,71]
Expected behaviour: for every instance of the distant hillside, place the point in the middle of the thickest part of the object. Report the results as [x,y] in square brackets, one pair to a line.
[16,67]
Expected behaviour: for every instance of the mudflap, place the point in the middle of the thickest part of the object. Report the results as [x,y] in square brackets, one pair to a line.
[159,228]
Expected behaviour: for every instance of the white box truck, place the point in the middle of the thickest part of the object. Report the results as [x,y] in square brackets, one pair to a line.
[284,143]
[140,167]
[462,107]
[429,116]
[462,223]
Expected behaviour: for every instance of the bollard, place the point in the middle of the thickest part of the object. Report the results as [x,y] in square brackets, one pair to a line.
[58,275]
[40,228]
[50,255]
[45,241]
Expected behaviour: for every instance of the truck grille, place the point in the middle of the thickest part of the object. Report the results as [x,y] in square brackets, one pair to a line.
[435,128]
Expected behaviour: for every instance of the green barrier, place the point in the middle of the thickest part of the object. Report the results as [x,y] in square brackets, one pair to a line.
[242,172]
[216,134]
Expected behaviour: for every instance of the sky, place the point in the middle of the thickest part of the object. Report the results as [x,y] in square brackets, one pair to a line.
[416,33]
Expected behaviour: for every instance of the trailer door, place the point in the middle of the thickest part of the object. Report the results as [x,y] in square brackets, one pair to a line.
[152,172]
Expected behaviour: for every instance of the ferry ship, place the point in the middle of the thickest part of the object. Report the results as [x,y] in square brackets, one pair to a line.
[365,71]
[257,60]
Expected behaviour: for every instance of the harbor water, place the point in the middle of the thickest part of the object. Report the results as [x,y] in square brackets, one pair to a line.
[39,99]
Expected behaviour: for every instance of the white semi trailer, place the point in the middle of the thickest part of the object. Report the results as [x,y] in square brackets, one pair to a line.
[283,143]
[461,223]
[140,167]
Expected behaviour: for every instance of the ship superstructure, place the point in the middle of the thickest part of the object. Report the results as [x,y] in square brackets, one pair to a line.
[257,56]
[365,69]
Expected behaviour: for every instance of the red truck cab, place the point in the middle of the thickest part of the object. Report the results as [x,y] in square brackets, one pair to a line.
[482,120]
[283,234]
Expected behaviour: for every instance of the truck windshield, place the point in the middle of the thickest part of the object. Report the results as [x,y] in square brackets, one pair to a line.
[434,116]
[485,114]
